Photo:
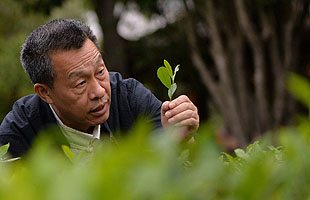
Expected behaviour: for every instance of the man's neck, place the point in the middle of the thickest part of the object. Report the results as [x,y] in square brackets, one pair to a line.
[83,129]
[90,130]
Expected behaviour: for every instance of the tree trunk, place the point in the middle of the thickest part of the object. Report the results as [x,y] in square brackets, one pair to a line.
[246,45]
[113,45]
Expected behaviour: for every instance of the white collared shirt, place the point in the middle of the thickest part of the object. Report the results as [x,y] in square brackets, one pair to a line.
[78,140]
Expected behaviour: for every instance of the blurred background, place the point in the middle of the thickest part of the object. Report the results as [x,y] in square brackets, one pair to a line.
[234,55]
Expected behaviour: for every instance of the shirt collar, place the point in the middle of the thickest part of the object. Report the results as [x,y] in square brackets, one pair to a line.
[78,139]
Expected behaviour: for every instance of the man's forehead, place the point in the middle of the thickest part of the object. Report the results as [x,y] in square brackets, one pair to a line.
[82,70]
[88,51]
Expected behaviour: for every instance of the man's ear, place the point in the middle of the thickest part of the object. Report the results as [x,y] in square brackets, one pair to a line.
[44,92]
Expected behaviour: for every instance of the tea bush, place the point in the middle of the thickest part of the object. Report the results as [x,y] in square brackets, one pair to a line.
[148,165]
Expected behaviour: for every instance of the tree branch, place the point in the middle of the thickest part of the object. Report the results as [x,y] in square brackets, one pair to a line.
[259,74]
[220,59]
[200,65]
[278,70]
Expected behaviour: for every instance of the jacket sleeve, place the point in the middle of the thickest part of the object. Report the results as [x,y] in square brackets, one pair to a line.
[144,102]
[11,131]
[21,126]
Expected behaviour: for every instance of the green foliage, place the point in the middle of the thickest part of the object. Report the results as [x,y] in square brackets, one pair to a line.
[300,88]
[148,165]
[166,76]
[70,154]
[4,157]
[3,151]
[15,25]
[252,152]
[40,6]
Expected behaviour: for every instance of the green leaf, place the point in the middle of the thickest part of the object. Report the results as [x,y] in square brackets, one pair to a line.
[253,148]
[68,152]
[241,154]
[300,88]
[184,156]
[80,156]
[167,78]
[176,69]
[229,157]
[4,149]
[168,66]
[171,90]
[163,75]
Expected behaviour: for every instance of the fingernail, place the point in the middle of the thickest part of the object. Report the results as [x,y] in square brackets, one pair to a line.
[171,105]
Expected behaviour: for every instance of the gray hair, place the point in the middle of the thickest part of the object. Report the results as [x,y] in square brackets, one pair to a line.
[58,34]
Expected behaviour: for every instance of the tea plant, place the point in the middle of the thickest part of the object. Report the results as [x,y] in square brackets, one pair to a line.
[71,156]
[4,157]
[153,166]
[167,77]
[3,151]
[242,157]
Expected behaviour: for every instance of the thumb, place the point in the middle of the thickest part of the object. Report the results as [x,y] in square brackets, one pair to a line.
[164,109]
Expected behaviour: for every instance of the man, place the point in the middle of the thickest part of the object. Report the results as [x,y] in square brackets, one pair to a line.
[75,90]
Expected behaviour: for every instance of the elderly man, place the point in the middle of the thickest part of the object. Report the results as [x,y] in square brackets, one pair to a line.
[75,90]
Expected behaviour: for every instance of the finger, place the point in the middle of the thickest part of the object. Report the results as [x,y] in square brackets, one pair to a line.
[165,106]
[187,114]
[191,123]
[180,109]
[179,100]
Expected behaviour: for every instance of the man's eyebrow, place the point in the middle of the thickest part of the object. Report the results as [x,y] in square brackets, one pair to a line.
[81,72]
[99,59]
[76,73]
[98,62]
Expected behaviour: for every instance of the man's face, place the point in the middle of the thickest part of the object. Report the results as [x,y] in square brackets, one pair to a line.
[81,95]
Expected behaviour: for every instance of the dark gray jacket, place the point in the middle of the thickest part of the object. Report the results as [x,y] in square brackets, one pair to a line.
[30,115]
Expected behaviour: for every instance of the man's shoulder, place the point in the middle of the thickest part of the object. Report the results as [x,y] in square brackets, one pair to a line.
[29,99]
[127,86]
[117,81]
[132,91]
[129,100]
[27,108]
[28,116]
[28,104]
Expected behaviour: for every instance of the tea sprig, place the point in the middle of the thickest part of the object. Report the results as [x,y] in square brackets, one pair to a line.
[167,77]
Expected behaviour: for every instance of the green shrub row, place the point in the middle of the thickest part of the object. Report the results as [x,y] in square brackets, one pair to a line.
[155,166]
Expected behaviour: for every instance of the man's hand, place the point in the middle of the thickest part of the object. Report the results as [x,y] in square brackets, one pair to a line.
[182,113]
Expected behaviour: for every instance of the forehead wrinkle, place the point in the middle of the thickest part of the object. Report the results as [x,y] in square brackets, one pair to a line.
[83,63]
[99,59]
[77,73]
[86,58]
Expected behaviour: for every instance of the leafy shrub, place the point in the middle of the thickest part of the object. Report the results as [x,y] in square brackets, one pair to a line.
[154,166]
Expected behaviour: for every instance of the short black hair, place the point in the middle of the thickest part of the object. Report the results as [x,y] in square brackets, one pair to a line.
[58,34]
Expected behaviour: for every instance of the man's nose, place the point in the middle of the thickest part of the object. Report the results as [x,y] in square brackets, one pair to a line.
[97,91]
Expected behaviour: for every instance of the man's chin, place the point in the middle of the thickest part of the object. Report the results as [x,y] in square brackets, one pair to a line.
[100,120]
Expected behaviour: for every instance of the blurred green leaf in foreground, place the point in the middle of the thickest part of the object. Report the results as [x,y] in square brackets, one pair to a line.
[152,166]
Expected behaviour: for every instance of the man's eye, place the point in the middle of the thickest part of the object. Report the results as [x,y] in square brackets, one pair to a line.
[81,84]
[101,72]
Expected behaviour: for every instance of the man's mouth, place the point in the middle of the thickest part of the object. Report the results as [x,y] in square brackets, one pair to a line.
[99,110]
